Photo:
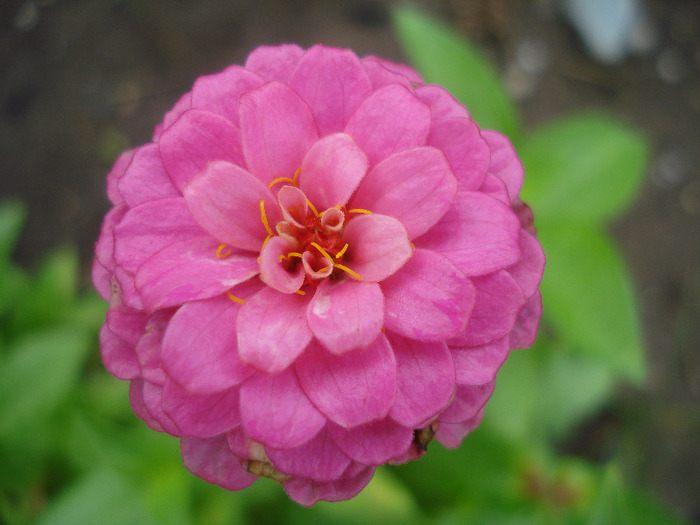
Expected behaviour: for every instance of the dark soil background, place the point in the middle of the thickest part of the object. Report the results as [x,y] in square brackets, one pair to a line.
[82,80]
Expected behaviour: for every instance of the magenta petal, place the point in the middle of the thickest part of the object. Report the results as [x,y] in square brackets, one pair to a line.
[525,329]
[333,83]
[225,200]
[496,188]
[346,315]
[467,402]
[392,119]
[277,130]
[276,412]
[117,171]
[138,405]
[332,170]
[383,73]
[425,380]
[478,365]
[504,162]
[415,186]
[149,347]
[183,104]
[451,435]
[428,299]
[307,492]
[351,389]
[478,234]
[530,267]
[442,104]
[201,415]
[195,139]
[200,349]
[118,356]
[219,93]
[378,246]
[211,460]
[272,330]
[153,402]
[145,178]
[373,443]
[104,249]
[272,273]
[319,459]
[465,149]
[274,62]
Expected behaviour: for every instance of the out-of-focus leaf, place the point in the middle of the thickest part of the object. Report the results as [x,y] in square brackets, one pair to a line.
[585,166]
[588,297]
[12,216]
[443,58]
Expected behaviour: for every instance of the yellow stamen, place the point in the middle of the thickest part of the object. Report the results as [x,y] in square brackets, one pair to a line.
[291,254]
[234,298]
[323,252]
[263,217]
[359,210]
[223,254]
[341,252]
[300,292]
[346,269]
[383,329]
[279,179]
[313,209]
[296,176]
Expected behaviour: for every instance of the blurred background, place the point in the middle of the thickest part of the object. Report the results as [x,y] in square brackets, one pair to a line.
[80,81]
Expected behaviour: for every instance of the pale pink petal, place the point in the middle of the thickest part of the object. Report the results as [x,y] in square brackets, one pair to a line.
[464,147]
[346,315]
[442,103]
[201,415]
[351,389]
[272,330]
[498,303]
[145,178]
[383,72]
[307,492]
[118,169]
[478,234]
[530,267]
[274,62]
[277,130]
[118,356]
[525,329]
[195,139]
[415,186]
[189,271]
[211,460]
[467,402]
[332,170]
[450,435]
[373,443]
[220,92]
[318,459]
[428,299]
[425,380]
[378,246]
[505,163]
[293,204]
[200,349]
[276,412]
[272,271]
[225,200]
[183,104]
[333,83]
[392,119]
[150,346]
[479,364]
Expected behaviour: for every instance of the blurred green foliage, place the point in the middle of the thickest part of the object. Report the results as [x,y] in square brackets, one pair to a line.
[72,452]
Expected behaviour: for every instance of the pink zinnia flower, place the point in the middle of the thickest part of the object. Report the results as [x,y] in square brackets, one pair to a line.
[317,265]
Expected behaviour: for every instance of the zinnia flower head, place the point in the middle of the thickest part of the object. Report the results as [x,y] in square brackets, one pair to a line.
[317,265]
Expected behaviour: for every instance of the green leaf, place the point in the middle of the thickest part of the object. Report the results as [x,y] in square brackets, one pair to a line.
[588,297]
[584,166]
[12,216]
[443,58]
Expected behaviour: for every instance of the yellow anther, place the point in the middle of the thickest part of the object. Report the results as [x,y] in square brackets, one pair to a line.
[291,254]
[323,252]
[296,176]
[279,179]
[341,252]
[220,253]
[383,329]
[313,209]
[263,217]
[346,269]
[234,298]
[300,292]
[359,210]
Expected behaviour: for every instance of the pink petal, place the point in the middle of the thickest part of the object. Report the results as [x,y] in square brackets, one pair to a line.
[465,149]
[138,405]
[104,249]
[505,163]
[189,271]
[425,381]
[467,402]
[126,323]
[219,93]
[478,234]
[499,300]
[525,329]
[319,459]
[529,269]
[277,130]
[200,350]
[225,200]
[195,139]
[428,299]
[183,104]
[378,246]
[392,119]
[415,186]
[333,83]
[101,279]
[201,415]
[153,401]
[118,169]
[274,62]
[272,330]
[496,188]
[145,178]
[441,102]
[307,492]
[211,460]
[373,443]
[118,356]
[351,389]
[332,170]
[276,412]
[123,285]
[451,435]
[383,73]
[346,315]
[150,345]
[272,273]
[478,365]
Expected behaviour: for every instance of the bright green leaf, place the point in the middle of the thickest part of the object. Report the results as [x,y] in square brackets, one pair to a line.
[443,58]
[584,166]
